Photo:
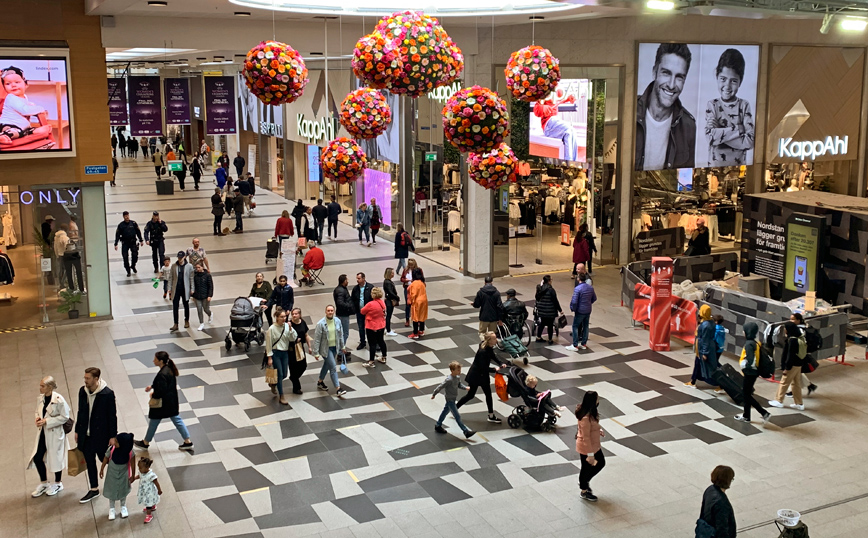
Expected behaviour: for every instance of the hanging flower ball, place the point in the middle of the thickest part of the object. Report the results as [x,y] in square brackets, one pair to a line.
[532,73]
[343,160]
[376,60]
[493,168]
[475,119]
[365,113]
[428,55]
[275,73]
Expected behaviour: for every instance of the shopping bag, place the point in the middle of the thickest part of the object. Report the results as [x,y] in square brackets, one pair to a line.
[75,463]
[155,403]
[500,387]
[252,203]
[344,369]
[271,376]
[562,321]
[302,242]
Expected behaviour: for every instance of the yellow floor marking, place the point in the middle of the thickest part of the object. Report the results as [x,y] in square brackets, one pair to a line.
[348,427]
[618,423]
[253,491]
[352,476]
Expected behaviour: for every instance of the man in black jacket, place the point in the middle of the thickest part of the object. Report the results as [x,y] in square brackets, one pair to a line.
[490,307]
[320,214]
[217,209]
[154,230]
[344,306]
[127,234]
[239,163]
[96,425]
[335,211]
[361,297]
[244,188]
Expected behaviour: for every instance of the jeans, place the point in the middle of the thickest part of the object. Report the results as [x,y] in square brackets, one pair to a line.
[238,224]
[402,262]
[793,377]
[367,231]
[329,365]
[360,321]
[177,298]
[158,252]
[590,471]
[128,250]
[390,309]
[486,389]
[580,329]
[176,420]
[202,304]
[39,460]
[318,226]
[376,340]
[72,260]
[218,223]
[749,400]
[345,327]
[280,359]
[335,224]
[451,407]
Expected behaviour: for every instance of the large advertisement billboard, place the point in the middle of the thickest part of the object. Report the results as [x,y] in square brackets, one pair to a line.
[220,105]
[146,115]
[177,101]
[695,105]
[559,123]
[117,90]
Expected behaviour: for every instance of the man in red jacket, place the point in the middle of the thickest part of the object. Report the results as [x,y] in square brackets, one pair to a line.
[314,260]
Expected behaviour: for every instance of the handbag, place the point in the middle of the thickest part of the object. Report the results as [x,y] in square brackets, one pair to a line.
[299,351]
[302,242]
[67,426]
[75,462]
[562,321]
[265,358]
[155,403]
[344,369]
[162,170]
[704,530]
[271,375]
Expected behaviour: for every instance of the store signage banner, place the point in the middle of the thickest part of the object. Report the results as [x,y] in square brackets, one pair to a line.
[559,124]
[696,105]
[663,242]
[804,238]
[117,90]
[146,114]
[565,234]
[768,242]
[661,303]
[220,105]
[177,101]
[809,150]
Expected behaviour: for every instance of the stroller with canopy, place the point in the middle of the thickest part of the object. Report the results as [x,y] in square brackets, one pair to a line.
[245,324]
[537,410]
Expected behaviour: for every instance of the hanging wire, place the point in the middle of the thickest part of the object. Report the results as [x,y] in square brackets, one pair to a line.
[341,39]
[273,26]
[533,30]
[492,48]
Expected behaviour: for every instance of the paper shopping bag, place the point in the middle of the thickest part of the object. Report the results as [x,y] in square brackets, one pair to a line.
[271,376]
[75,462]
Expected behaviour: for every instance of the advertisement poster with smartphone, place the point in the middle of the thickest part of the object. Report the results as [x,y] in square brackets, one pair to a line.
[804,233]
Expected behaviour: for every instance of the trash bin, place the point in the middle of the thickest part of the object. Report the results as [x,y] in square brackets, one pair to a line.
[165,186]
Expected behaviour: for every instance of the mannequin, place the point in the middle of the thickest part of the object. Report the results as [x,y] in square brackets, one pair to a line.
[794,186]
[569,216]
[804,175]
[9,238]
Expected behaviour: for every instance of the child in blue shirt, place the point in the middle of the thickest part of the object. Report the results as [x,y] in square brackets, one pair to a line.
[719,334]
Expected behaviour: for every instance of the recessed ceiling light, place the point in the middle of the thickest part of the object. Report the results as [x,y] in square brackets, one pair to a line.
[536,18]
[660,5]
[219,57]
[242,13]
[854,24]
[157,3]
[201,58]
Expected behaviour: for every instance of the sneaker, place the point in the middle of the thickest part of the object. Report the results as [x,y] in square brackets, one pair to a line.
[557,413]
[128,273]
[766,418]
[40,490]
[718,390]
[54,489]
[583,346]
[494,420]
[690,384]
[811,389]
[149,518]
[469,433]
[321,386]
[775,403]
[340,392]
[210,319]
[414,336]
[588,496]
[539,340]
[201,327]
[571,348]
[134,270]
[421,333]
[89,496]
[439,429]
[369,364]
[797,407]
[741,418]
[391,333]
[361,346]
[382,360]
[141,444]
[186,446]
[124,513]
[111,514]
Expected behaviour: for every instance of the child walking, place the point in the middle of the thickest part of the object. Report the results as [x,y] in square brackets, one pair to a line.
[149,488]
[451,385]
[120,460]
[164,274]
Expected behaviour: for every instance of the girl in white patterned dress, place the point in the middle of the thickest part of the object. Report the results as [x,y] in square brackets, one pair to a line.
[149,488]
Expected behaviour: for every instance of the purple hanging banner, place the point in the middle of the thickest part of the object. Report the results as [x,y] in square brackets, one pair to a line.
[177,101]
[146,115]
[117,90]
[220,105]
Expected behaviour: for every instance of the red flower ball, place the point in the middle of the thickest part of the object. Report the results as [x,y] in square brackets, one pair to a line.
[365,113]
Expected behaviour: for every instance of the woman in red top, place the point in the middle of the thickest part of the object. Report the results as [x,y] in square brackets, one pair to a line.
[581,247]
[283,228]
[588,443]
[375,326]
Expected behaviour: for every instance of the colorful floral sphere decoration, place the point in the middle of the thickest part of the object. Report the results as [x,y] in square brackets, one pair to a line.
[493,168]
[428,55]
[365,113]
[376,60]
[475,119]
[532,73]
[275,73]
[343,160]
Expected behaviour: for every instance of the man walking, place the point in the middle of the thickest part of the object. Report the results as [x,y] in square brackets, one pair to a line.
[181,285]
[238,207]
[361,296]
[196,254]
[335,211]
[243,188]
[344,306]
[96,425]
[584,297]
[320,214]
[130,237]
[154,230]
[217,210]
[490,307]
[239,163]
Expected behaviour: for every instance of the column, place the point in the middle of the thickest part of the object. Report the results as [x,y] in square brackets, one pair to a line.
[477,234]
[94,233]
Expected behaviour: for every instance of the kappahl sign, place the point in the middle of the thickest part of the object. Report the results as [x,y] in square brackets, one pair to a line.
[809,150]
[314,131]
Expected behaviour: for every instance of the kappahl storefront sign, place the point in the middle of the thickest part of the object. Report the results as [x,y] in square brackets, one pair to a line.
[809,150]
[314,131]
[53,196]
[444,93]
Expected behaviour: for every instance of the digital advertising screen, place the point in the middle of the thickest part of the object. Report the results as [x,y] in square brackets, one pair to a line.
[35,113]
[559,123]
[314,172]
[696,104]
[378,185]
[804,235]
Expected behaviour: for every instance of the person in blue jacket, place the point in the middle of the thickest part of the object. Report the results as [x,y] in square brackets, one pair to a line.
[705,362]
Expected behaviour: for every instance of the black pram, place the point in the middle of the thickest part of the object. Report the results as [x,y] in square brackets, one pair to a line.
[245,324]
[537,412]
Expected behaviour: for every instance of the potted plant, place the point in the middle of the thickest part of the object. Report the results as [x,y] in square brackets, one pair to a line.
[68,300]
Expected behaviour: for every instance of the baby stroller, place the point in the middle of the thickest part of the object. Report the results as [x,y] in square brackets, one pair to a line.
[533,413]
[511,343]
[245,324]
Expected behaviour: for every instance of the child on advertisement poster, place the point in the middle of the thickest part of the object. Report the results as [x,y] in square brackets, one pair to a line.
[18,109]
[729,124]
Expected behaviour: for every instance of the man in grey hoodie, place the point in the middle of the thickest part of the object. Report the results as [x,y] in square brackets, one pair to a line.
[749,363]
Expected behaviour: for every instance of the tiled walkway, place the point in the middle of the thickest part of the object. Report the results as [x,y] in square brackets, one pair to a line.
[370,464]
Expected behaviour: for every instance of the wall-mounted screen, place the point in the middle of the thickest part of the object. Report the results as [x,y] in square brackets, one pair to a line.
[695,105]
[559,123]
[314,172]
[378,185]
[35,113]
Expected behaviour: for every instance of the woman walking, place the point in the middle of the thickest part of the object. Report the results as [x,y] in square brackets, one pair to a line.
[375,215]
[581,248]
[297,212]
[262,290]
[203,290]
[705,362]
[403,246]
[196,170]
[375,325]
[308,230]
[588,443]
[716,517]
[417,300]
[164,402]
[478,375]
[278,340]
[49,453]
[297,356]
[363,221]
[392,299]
[406,280]
[547,308]
[217,209]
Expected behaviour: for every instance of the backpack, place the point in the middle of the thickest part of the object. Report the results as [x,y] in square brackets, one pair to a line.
[814,340]
[803,346]
[765,363]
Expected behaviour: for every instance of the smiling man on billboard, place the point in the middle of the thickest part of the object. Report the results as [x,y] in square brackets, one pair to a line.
[665,130]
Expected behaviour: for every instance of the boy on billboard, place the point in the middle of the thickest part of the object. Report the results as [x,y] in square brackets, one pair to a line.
[665,130]
[729,124]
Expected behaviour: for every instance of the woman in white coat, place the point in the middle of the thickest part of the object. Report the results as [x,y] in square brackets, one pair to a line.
[49,454]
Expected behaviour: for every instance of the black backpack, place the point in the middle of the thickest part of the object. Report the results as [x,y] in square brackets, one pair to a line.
[766,367]
[813,339]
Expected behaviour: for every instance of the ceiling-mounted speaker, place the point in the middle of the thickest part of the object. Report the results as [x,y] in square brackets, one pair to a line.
[107,21]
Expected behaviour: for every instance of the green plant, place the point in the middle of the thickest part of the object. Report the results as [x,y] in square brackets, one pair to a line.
[68,300]
[41,243]
[451,155]
[519,128]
